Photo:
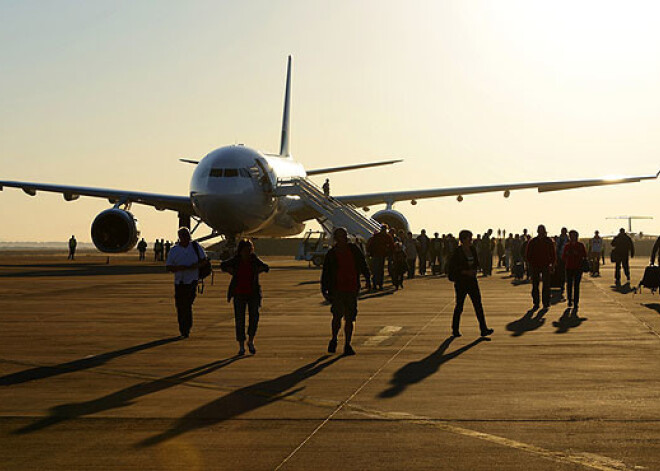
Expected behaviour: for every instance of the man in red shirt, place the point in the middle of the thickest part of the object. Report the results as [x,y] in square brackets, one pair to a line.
[340,284]
[542,257]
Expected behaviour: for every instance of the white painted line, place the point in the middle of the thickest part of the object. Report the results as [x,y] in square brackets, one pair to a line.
[384,334]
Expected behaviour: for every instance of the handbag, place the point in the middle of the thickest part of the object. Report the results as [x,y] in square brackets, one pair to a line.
[586,266]
[205,268]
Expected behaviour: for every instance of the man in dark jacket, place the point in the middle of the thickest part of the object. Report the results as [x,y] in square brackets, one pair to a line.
[462,270]
[245,290]
[380,247]
[622,248]
[423,247]
[340,285]
[542,257]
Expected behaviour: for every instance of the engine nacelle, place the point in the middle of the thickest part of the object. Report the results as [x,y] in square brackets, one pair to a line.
[392,218]
[115,231]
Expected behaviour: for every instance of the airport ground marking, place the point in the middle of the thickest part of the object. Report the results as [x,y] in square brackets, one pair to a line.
[382,335]
[360,388]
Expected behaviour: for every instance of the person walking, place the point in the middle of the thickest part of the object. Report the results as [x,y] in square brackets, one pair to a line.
[560,270]
[410,247]
[656,250]
[161,251]
[379,247]
[542,257]
[73,243]
[500,253]
[156,250]
[436,254]
[463,269]
[340,285]
[326,188]
[622,248]
[487,253]
[184,262]
[573,255]
[596,247]
[168,247]
[423,246]
[142,248]
[508,251]
[245,290]
[399,265]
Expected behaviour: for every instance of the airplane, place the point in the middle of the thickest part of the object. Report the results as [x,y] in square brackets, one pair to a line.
[236,191]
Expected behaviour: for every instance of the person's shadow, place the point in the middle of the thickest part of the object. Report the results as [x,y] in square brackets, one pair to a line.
[242,401]
[418,371]
[122,398]
[527,323]
[43,372]
[568,320]
[623,289]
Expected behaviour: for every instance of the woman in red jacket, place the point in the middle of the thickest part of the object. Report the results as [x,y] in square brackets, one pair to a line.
[573,255]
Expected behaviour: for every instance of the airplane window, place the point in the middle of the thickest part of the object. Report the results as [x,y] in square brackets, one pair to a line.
[216,172]
[231,172]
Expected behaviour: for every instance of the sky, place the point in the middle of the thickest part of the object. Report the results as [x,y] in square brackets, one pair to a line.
[113,93]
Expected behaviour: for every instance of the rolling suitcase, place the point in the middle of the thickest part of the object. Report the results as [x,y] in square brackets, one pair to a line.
[651,278]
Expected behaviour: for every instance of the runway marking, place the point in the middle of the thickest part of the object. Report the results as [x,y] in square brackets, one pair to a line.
[384,334]
[360,388]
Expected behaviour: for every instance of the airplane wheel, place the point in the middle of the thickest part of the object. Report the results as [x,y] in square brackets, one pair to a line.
[317,260]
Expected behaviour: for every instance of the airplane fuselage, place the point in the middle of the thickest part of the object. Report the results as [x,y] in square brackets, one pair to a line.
[232,191]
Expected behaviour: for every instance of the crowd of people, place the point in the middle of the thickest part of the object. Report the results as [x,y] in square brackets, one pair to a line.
[546,261]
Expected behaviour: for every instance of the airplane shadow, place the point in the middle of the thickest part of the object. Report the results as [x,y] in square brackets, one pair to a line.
[83,269]
[242,401]
[44,372]
[527,323]
[122,398]
[418,371]
[568,320]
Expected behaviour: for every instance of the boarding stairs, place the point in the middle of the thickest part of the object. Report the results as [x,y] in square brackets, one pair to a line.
[331,212]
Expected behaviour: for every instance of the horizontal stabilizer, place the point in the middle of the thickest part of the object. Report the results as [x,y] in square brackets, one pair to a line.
[189,161]
[319,171]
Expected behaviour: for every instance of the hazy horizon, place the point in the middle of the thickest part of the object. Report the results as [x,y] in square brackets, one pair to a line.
[113,93]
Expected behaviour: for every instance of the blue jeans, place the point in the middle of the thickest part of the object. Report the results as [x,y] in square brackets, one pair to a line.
[240,303]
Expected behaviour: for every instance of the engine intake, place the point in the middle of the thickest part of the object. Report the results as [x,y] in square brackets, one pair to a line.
[392,218]
[115,231]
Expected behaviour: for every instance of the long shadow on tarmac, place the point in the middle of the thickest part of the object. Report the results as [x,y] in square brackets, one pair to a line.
[418,371]
[568,320]
[43,372]
[654,306]
[242,401]
[122,398]
[527,323]
[82,269]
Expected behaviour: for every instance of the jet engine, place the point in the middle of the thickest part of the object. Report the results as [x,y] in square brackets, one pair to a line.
[115,231]
[392,218]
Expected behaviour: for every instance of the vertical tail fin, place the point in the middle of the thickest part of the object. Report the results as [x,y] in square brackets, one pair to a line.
[284,144]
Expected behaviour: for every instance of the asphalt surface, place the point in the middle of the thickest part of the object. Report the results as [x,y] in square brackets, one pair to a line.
[92,376]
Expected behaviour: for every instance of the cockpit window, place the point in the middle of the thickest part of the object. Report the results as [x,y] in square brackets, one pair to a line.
[230,172]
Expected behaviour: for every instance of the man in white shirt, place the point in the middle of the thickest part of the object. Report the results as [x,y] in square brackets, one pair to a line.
[183,260]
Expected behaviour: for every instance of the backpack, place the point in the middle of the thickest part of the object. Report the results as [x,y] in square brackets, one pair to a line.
[651,279]
[205,268]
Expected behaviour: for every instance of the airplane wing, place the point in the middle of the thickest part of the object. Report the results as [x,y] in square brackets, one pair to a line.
[181,204]
[319,171]
[393,196]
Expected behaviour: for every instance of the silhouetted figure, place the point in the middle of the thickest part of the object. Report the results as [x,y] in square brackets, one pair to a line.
[161,251]
[464,267]
[436,254]
[656,249]
[168,247]
[410,247]
[596,250]
[183,261]
[326,187]
[500,253]
[157,250]
[73,243]
[622,248]
[486,254]
[379,247]
[560,269]
[542,257]
[244,288]
[423,246]
[340,285]
[399,265]
[573,256]
[142,248]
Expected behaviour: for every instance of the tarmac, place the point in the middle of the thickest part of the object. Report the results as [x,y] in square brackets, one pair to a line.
[92,375]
